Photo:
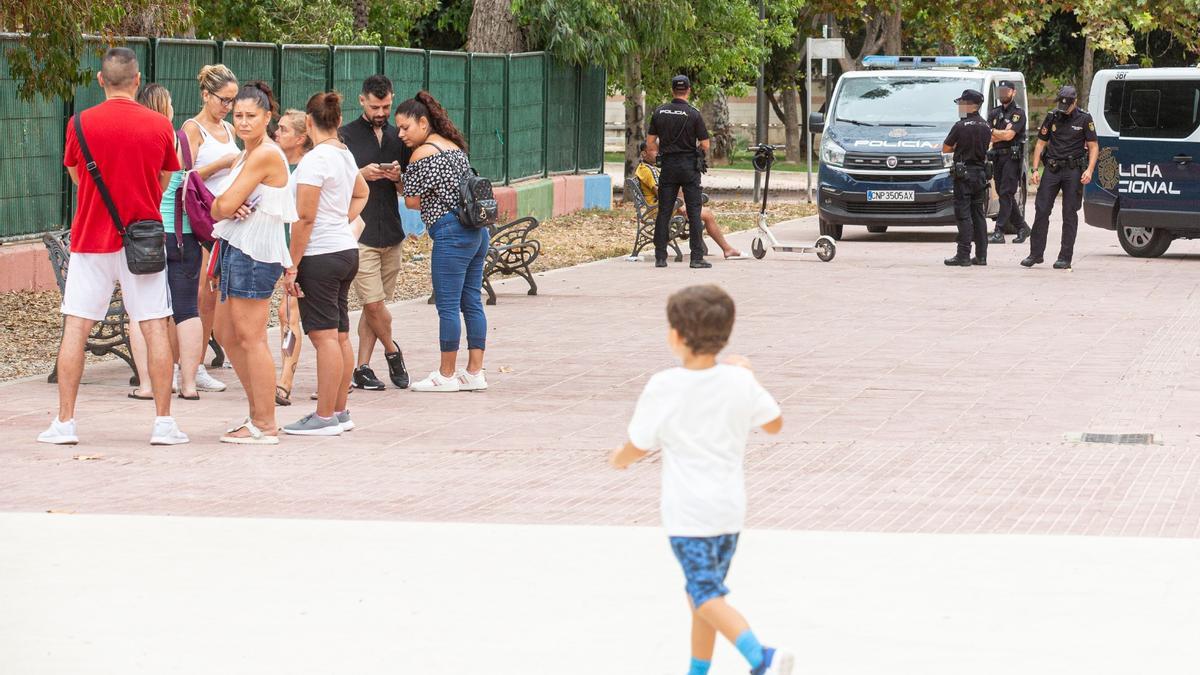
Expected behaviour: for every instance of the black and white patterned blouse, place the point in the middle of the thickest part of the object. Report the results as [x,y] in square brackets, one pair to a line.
[436,179]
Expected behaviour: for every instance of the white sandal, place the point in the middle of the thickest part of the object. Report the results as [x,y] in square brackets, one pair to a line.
[256,437]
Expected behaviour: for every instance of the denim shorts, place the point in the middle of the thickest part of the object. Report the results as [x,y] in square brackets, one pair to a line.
[245,277]
[705,562]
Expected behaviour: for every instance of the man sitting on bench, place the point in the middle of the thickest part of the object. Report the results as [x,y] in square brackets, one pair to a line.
[647,176]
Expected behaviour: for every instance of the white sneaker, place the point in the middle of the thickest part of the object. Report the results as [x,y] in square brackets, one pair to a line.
[166,432]
[175,380]
[782,662]
[436,382]
[469,382]
[206,382]
[59,433]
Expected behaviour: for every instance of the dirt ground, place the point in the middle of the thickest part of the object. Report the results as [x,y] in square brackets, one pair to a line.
[30,322]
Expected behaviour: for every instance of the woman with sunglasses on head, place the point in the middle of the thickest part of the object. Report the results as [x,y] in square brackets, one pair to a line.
[253,252]
[292,137]
[214,145]
[330,193]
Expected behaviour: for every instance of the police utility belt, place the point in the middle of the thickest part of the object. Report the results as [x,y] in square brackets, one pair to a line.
[1057,165]
[1005,153]
[700,161]
[962,170]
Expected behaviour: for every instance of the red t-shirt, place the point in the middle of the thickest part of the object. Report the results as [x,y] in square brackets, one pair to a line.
[132,145]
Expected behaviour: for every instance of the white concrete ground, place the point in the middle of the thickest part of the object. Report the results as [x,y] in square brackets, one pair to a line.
[164,595]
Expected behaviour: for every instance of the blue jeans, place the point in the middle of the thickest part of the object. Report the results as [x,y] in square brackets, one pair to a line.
[457,265]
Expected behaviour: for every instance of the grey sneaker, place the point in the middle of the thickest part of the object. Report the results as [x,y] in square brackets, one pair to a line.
[314,425]
[343,419]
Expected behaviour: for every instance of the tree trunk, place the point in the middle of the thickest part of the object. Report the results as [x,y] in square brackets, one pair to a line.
[493,28]
[720,132]
[791,123]
[892,37]
[1083,88]
[361,15]
[635,111]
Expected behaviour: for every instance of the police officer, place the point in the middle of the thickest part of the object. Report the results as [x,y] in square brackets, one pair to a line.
[968,140]
[677,131]
[1008,152]
[1067,143]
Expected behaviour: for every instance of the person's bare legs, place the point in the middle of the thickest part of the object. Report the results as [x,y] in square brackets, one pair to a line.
[159,362]
[287,368]
[137,348]
[330,364]
[206,302]
[448,366]
[724,618]
[191,345]
[375,323]
[347,355]
[710,226]
[704,636]
[241,329]
[70,363]
[474,361]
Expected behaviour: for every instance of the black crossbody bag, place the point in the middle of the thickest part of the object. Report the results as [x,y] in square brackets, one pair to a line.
[141,239]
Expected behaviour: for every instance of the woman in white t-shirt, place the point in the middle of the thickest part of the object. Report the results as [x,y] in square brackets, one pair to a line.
[330,193]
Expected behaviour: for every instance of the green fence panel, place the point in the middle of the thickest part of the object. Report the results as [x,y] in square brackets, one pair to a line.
[448,84]
[352,65]
[406,69]
[176,65]
[31,173]
[562,99]
[486,135]
[88,95]
[303,71]
[526,116]
[592,96]
[253,61]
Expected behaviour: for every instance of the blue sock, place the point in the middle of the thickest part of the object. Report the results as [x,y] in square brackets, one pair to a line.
[699,667]
[750,648]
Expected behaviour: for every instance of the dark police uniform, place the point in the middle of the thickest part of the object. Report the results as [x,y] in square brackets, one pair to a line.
[1065,158]
[970,137]
[679,127]
[1007,160]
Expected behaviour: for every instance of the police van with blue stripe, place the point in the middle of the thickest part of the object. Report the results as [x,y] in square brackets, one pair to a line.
[1147,181]
[881,161]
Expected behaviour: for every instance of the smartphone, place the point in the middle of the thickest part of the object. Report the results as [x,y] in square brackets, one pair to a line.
[252,203]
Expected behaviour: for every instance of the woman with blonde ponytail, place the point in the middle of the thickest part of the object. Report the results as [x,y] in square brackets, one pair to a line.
[431,184]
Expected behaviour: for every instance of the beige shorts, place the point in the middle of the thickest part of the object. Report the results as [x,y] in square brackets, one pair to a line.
[377,272]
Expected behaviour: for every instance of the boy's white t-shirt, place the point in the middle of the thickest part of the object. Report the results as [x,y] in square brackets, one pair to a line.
[700,420]
[334,171]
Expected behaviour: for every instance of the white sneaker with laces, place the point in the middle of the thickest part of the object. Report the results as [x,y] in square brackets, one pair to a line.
[469,382]
[206,382]
[166,432]
[59,433]
[437,382]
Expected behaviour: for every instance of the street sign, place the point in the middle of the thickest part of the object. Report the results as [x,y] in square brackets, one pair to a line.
[827,48]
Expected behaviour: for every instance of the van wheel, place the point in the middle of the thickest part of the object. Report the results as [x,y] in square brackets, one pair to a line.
[877,229]
[828,229]
[1144,242]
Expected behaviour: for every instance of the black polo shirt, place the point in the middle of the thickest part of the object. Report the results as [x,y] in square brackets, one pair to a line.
[382,212]
[1003,115]
[1067,134]
[970,137]
[679,126]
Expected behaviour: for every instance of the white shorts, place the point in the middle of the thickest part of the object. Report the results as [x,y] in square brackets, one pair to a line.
[90,280]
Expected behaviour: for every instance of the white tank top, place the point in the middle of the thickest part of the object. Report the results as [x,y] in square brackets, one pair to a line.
[262,235]
[211,150]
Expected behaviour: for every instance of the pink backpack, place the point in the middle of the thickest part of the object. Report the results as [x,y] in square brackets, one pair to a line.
[193,197]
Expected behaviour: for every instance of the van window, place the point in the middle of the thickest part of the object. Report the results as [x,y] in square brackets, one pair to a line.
[1114,93]
[1161,109]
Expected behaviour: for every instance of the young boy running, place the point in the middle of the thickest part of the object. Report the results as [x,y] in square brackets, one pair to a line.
[700,416]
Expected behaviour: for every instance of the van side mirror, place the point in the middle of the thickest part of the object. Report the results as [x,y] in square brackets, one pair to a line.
[816,123]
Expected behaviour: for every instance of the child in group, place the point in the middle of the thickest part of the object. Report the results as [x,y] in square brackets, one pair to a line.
[700,416]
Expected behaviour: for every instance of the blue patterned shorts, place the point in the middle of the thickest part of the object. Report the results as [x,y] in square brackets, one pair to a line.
[705,562]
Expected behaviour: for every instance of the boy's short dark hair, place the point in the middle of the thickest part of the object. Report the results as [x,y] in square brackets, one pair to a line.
[642,147]
[378,86]
[703,317]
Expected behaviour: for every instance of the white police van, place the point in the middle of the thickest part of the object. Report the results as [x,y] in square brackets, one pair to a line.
[1147,180]
[881,141]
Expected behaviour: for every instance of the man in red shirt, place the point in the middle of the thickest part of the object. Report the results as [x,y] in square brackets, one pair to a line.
[134,149]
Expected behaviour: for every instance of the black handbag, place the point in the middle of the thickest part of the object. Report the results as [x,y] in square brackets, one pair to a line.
[141,239]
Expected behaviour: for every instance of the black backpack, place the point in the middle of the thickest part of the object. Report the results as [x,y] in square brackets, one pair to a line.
[477,206]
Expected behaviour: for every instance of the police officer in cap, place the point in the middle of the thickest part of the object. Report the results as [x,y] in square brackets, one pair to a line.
[1008,153]
[1067,144]
[968,140]
[678,133]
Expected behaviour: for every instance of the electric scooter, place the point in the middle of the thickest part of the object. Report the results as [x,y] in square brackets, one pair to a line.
[824,247]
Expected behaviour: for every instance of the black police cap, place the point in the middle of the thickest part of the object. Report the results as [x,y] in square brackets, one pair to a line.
[970,96]
[1007,84]
[680,83]
[1067,94]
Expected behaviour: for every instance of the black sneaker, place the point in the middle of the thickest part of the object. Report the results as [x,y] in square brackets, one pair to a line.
[1031,261]
[660,262]
[396,369]
[699,264]
[957,262]
[982,262]
[364,378]
[996,238]
[1022,234]
[1062,264]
